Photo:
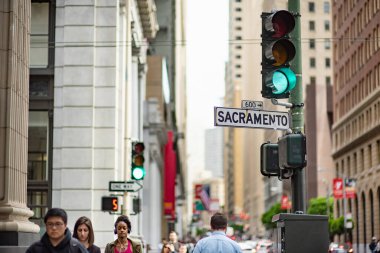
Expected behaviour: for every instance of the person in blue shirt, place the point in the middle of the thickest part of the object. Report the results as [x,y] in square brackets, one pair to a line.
[217,242]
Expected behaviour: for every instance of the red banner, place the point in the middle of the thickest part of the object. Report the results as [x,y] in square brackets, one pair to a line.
[197,191]
[338,188]
[169,178]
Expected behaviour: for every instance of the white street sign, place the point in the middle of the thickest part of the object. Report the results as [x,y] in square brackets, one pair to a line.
[235,117]
[124,186]
[253,105]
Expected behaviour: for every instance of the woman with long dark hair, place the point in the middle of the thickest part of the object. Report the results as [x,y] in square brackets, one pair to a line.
[84,232]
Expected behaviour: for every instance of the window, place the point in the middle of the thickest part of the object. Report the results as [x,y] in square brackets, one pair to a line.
[238,18]
[238,28]
[238,47]
[328,80]
[238,38]
[312,62]
[327,25]
[312,80]
[327,44]
[238,66]
[326,7]
[238,56]
[39,36]
[312,43]
[311,25]
[238,9]
[311,7]
[327,63]
[238,76]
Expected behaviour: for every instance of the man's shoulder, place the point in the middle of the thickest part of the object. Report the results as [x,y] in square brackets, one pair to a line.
[76,246]
[36,247]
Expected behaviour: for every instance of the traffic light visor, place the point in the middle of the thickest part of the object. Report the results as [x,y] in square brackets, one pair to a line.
[283,51]
[283,22]
[138,173]
[283,80]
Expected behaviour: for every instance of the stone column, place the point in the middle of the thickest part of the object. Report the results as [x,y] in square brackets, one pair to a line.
[16,231]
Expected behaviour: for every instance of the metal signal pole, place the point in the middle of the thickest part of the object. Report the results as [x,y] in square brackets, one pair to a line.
[296,98]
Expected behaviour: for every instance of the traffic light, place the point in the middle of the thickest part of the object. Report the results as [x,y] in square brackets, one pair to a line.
[269,159]
[138,170]
[292,151]
[277,51]
[110,204]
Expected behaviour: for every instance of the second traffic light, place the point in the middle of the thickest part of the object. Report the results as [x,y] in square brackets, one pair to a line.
[138,170]
[277,51]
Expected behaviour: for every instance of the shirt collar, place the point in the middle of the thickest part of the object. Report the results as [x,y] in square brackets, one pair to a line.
[218,232]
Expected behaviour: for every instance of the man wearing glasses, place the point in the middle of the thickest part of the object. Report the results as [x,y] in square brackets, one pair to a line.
[57,237]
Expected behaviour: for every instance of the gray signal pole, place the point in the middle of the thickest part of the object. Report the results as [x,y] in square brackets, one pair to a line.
[296,98]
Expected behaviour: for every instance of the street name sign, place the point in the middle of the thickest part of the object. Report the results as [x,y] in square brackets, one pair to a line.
[235,117]
[124,186]
[253,105]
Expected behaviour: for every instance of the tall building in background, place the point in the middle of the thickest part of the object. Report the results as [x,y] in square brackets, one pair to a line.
[214,151]
[356,136]
[316,34]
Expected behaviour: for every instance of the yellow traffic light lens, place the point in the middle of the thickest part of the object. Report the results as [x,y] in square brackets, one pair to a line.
[283,51]
[138,160]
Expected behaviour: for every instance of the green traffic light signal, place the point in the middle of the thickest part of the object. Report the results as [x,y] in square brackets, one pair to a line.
[277,51]
[138,170]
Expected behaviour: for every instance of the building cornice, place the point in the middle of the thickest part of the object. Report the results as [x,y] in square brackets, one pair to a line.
[148,16]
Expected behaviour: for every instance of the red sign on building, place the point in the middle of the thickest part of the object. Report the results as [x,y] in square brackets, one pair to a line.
[338,188]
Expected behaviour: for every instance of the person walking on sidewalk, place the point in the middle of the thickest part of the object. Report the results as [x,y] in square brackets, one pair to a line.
[57,237]
[123,243]
[218,242]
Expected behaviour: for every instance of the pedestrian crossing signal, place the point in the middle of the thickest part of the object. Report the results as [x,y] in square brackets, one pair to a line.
[110,204]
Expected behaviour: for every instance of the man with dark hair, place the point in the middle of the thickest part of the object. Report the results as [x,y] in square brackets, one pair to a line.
[218,242]
[57,237]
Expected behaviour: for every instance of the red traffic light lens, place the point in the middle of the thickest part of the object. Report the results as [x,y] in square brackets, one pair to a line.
[283,22]
[139,147]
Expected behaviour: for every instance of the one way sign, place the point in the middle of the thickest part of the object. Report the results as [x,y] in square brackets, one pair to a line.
[124,186]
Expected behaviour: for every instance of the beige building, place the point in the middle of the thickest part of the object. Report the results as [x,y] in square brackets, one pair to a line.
[356,136]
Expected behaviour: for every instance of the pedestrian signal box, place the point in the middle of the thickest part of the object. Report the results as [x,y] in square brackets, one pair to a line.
[110,204]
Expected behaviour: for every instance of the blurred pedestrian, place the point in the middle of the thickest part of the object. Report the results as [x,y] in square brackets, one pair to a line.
[168,247]
[84,232]
[182,248]
[217,242]
[372,245]
[123,243]
[173,239]
[57,237]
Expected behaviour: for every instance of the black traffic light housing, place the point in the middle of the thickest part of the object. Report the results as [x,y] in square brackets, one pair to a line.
[292,151]
[137,157]
[277,51]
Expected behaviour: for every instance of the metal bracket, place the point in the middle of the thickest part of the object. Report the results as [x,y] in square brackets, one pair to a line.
[287,105]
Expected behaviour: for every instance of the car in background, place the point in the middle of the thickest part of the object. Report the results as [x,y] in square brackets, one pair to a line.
[245,247]
[264,246]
